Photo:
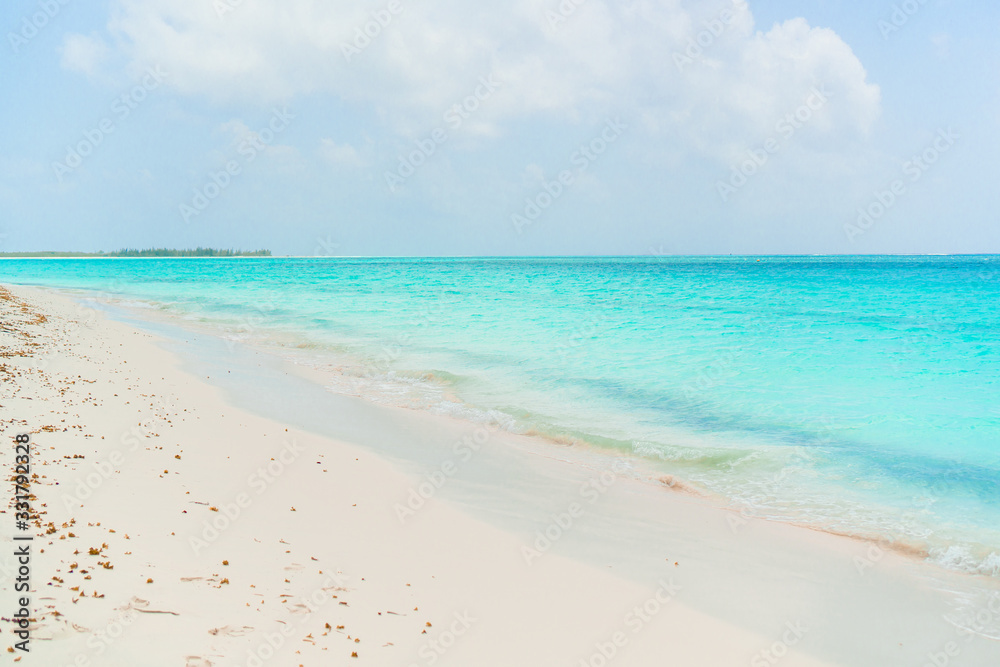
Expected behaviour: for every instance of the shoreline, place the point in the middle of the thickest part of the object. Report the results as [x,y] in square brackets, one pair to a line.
[470,529]
[295,354]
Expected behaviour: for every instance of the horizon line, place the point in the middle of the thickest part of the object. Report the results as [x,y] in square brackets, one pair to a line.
[69,255]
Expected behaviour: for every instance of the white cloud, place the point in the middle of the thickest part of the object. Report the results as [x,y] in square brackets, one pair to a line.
[339,154]
[247,145]
[604,58]
[83,53]
[239,130]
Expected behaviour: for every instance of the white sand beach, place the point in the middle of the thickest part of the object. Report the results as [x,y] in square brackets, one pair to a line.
[177,526]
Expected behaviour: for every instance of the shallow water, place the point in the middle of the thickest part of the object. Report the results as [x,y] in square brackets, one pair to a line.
[858,394]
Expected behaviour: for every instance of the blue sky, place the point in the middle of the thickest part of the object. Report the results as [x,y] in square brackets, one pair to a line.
[522,127]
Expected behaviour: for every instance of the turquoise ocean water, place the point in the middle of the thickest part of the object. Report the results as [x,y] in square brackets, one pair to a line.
[856,394]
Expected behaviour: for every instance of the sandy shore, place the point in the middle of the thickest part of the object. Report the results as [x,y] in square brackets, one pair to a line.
[176,527]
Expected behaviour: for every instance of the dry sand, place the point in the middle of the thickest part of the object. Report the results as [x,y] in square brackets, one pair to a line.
[174,528]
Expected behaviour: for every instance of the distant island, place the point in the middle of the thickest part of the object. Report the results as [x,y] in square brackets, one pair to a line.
[148,252]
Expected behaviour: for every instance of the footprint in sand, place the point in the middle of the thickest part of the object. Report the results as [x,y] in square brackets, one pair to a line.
[57,628]
[230,631]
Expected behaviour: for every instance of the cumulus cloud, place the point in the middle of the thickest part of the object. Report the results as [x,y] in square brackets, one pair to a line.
[248,143]
[339,154]
[698,73]
[83,53]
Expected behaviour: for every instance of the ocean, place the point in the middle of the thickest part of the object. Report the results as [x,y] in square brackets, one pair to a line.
[853,394]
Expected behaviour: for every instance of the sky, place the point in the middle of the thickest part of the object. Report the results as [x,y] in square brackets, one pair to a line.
[517,127]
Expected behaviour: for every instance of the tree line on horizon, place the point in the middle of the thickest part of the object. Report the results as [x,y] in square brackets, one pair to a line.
[197,252]
[148,252]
